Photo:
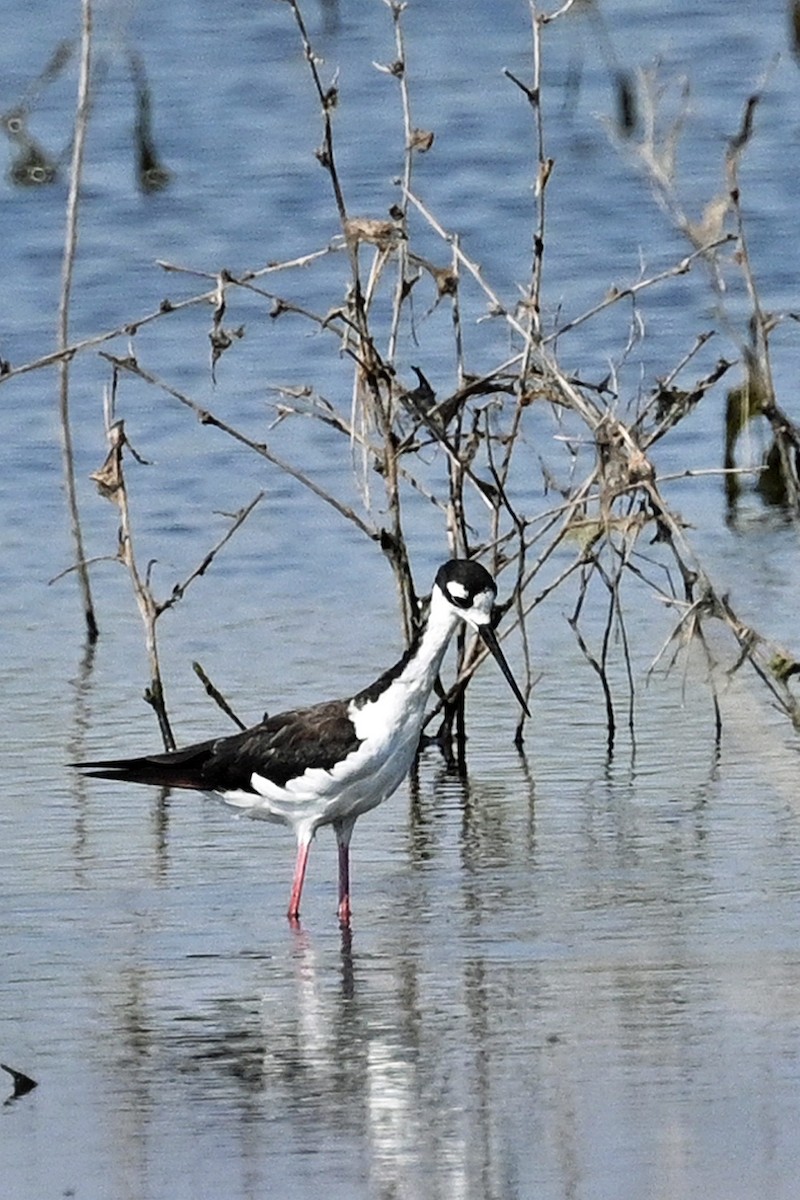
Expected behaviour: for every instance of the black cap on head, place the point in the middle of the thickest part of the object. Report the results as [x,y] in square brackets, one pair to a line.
[461,580]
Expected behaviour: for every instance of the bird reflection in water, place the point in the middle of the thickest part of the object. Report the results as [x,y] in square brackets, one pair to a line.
[34,166]
[151,174]
[31,164]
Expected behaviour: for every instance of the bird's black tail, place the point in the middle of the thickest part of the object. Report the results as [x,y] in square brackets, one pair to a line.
[175,768]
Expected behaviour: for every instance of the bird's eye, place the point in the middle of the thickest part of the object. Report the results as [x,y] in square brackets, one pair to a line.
[459,598]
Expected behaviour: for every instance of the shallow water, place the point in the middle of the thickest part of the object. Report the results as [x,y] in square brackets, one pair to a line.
[570,974]
[560,980]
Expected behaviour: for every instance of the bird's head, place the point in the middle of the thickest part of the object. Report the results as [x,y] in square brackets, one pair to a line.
[470,592]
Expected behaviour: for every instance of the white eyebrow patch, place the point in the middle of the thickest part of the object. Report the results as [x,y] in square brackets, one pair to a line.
[458,590]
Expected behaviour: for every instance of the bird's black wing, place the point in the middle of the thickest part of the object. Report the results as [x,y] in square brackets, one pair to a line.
[279,748]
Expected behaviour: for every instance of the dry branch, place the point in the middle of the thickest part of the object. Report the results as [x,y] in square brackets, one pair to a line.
[68,263]
[111,483]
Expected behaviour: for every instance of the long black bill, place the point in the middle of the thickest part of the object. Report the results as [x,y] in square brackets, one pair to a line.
[489,638]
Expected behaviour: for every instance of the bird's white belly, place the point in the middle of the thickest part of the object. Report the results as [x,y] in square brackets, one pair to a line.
[388,729]
[361,781]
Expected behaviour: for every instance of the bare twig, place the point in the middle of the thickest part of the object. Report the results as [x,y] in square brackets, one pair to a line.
[216,695]
[166,309]
[110,480]
[179,590]
[206,417]
[68,262]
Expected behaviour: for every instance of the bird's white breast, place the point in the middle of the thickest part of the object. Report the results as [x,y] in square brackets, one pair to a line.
[388,729]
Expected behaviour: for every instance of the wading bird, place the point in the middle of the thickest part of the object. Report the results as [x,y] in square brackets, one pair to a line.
[331,762]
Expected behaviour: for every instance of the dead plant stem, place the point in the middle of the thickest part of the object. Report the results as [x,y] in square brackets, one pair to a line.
[67,268]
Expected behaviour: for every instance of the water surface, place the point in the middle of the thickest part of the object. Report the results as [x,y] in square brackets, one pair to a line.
[570,974]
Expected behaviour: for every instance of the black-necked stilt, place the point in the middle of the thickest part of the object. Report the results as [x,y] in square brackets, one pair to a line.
[328,764]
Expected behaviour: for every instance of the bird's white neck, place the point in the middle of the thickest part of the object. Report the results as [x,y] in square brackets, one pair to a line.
[402,692]
[387,716]
[419,673]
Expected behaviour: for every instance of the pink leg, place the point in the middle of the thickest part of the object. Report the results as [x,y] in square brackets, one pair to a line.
[343,832]
[300,865]
[344,884]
